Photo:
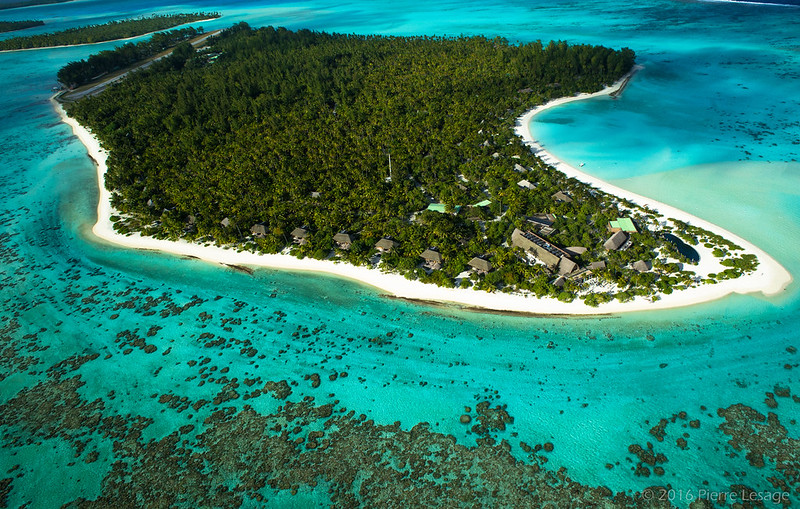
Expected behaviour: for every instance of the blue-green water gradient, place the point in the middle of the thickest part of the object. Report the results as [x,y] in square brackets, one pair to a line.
[710,125]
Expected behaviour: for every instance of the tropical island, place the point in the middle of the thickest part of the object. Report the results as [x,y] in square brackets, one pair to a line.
[12,26]
[398,156]
[111,31]
[29,3]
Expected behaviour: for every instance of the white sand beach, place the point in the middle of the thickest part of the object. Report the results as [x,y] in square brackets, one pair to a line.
[770,278]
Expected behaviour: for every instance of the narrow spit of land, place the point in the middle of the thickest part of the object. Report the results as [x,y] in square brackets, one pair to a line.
[13,26]
[111,31]
[97,86]
[29,3]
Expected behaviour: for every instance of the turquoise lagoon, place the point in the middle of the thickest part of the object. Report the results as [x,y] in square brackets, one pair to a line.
[709,125]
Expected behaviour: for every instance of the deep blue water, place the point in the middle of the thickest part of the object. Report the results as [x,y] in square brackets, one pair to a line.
[683,248]
[710,125]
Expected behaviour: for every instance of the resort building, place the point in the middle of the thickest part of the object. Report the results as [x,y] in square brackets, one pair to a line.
[622,224]
[480,265]
[588,271]
[543,222]
[642,266]
[300,236]
[225,222]
[543,250]
[579,275]
[616,241]
[259,230]
[542,219]
[386,245]
[433,259]
[576,250]
[343,240]
[566,266]
[562,197]
[526,184]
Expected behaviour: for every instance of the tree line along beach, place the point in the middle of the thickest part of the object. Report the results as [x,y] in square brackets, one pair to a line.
[465,248]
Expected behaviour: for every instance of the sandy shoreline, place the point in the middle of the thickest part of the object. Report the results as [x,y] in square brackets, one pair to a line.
[770,278]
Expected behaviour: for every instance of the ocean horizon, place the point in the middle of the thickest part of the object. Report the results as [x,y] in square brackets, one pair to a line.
[120,364]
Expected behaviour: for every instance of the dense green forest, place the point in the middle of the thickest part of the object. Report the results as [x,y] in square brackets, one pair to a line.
[11,26]
[80,72]
[291,129]
[28,3]
[106,32]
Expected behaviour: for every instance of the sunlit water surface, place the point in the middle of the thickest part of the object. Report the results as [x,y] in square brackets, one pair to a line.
[709,125]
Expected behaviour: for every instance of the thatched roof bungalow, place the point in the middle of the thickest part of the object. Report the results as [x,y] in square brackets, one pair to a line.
[562,197]
[386,245]
[432,255]
[566,266]
[300,235]
[259,230]
[576,250]
[480,265]
[615,241]
[433,259]
[343,240]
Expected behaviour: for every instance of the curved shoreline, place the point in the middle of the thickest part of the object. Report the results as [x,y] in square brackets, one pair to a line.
[770,278]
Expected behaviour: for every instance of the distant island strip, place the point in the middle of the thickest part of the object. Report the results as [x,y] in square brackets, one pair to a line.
[12,26]
[30,3]
[111,31]
[565,269]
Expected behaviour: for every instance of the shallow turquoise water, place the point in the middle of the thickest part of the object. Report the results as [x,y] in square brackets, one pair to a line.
[680,133]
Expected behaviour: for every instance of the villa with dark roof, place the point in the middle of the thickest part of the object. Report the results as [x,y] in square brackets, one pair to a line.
[615,241]
[300,236]
[480,265]
[433,259]
[386,245]
[259,230]
[343,240]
